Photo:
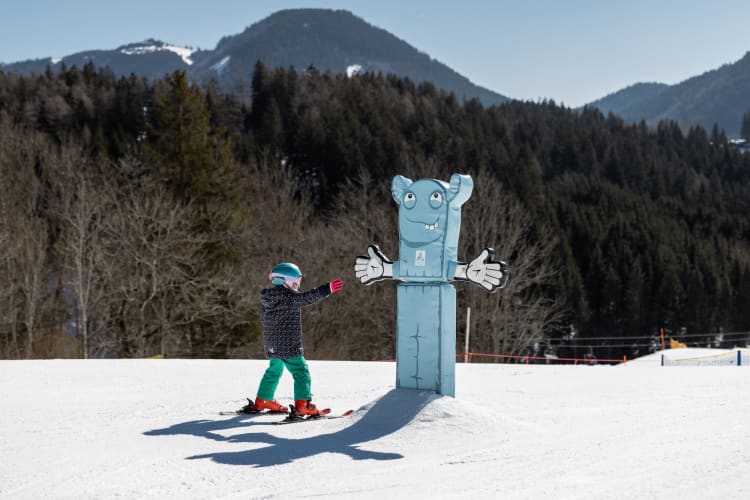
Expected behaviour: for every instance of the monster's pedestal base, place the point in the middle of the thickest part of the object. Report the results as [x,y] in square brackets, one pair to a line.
[426,337]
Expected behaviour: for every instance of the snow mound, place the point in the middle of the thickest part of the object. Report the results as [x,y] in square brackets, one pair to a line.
[406,408]
[683,353]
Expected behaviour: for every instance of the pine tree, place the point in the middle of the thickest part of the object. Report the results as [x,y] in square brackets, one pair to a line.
[745,129]
[194,161]
[190,156]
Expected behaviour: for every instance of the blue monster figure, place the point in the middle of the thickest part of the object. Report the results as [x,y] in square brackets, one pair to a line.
[429,221]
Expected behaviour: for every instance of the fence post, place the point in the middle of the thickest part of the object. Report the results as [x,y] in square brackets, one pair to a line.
[661,331]
[739,357]
[468,331]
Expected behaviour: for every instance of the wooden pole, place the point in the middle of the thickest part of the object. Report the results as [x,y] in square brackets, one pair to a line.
[468,331]
[661,330]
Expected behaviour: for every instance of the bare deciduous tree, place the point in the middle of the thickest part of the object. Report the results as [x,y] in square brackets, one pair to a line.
[279,228]
[30,258]
[8,285]
[82,212]
[149,242]
[522,313]
[23,275]
[362,325]
[159,288]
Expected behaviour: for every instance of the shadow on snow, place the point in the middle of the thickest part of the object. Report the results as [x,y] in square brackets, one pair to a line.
[389,414]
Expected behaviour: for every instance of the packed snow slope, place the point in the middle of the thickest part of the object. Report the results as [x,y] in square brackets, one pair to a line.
[139,429]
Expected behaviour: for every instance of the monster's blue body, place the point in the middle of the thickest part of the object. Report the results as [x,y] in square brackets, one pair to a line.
[429,225]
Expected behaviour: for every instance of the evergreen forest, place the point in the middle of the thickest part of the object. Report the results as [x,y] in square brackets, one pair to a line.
[141,218]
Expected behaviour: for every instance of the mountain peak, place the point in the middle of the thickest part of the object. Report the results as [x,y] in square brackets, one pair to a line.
[144,43]
[331,40]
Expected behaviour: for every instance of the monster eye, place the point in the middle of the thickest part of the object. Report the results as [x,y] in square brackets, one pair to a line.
[436,199]
[409,200]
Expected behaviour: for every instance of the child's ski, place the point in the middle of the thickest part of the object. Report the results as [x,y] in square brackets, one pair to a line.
[226,413]
[325,414]
[249,409]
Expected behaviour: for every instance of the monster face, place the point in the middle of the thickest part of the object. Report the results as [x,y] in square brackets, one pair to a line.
[424,212]
[429,220]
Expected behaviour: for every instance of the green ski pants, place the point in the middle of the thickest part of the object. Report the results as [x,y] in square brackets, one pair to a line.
[297,367]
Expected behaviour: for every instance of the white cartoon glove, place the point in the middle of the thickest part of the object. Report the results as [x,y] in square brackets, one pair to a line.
[374,267]
[486,272]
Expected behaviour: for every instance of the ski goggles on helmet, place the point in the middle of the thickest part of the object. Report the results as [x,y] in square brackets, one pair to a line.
[288,281]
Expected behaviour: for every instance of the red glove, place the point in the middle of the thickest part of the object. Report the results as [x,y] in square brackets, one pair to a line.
[336,285]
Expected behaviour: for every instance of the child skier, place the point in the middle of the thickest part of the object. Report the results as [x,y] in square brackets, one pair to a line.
[282,337]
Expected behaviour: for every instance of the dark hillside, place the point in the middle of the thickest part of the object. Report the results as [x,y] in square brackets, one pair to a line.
[652,226]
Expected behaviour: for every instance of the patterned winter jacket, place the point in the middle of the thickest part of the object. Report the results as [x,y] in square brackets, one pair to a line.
[282,318]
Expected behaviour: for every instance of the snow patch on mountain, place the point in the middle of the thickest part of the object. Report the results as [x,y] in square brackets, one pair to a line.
[354,69]
[149,46]
[220,66]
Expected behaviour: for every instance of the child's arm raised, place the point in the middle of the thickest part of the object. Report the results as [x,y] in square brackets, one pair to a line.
[314,295]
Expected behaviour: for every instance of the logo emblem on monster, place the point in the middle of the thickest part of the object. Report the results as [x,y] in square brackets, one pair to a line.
[420,259]
[429,221]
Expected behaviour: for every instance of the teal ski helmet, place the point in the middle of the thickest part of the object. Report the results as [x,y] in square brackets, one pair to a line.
[286,272]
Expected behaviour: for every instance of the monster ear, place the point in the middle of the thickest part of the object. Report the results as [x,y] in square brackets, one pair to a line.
[460,189]
[398,186]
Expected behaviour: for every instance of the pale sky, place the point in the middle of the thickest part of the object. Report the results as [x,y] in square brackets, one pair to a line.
[572,51]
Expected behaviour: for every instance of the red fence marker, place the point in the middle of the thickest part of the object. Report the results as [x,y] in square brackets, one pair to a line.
[526,358]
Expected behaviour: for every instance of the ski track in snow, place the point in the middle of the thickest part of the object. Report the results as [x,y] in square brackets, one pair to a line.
[140,429]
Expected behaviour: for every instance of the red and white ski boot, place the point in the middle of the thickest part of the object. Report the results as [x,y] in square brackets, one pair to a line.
[271,406]
[305,407]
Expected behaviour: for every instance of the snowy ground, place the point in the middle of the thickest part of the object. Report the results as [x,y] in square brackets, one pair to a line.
[140,429]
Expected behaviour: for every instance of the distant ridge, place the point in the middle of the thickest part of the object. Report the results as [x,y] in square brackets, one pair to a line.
[719,96]
[330,40]
[339,41]
[151,59]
